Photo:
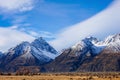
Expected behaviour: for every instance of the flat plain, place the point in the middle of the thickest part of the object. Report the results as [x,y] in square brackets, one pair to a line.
[64,76]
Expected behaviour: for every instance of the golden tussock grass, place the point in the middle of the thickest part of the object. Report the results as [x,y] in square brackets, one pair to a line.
[64,76]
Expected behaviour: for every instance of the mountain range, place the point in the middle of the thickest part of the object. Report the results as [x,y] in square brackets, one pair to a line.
[89,54]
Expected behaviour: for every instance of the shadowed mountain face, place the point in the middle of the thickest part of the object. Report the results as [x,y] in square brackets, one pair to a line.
[102,62]
[37,53]
[1,55]
[89,55]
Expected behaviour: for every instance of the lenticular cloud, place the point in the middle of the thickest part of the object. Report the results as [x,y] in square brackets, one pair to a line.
[101,25]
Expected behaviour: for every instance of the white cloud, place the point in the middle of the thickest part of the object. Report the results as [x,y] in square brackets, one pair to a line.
[17,5]
[10,37]
[33,33]
[43,34]
[17,19]
[101,25]
[13,27]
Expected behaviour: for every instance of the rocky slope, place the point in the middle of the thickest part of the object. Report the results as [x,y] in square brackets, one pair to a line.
[89,55]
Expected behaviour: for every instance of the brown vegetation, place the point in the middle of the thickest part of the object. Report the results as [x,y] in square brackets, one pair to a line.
[63,76]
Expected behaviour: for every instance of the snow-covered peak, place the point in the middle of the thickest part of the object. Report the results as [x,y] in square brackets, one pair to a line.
[40,40]
[79,46]
[92,45]
[39,43]
[90,40]
[23,46]
[112,43]
[19,49]
[42,45]
[88,45]
[112,39]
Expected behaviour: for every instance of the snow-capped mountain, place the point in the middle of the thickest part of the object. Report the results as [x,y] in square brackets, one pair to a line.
[41,45]
[75,58]
[94,46]
[112,43]
[20,49]
[89,54]
[38,52]
[112,39]
[88,45]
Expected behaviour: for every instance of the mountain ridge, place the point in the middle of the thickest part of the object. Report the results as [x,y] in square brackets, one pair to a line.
[89,54]
[84,57]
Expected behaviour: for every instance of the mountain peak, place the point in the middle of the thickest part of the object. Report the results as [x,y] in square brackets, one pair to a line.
[41,44]
[112,38]
[23,45]
[90,39]
[40,39]
[86,42]
[19,49]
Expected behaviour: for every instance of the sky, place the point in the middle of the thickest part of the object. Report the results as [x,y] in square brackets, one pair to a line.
[58,21]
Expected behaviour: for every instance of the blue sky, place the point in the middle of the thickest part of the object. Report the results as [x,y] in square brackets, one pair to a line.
[58,21]
[53,15]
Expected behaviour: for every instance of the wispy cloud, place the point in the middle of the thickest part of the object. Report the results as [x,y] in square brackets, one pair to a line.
[16,5]
[14,10]
[10,37]
[13,27]
[43,34]
[17,19]
[100,25]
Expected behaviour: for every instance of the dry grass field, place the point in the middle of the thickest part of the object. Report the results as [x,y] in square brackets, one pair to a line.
[64,76]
